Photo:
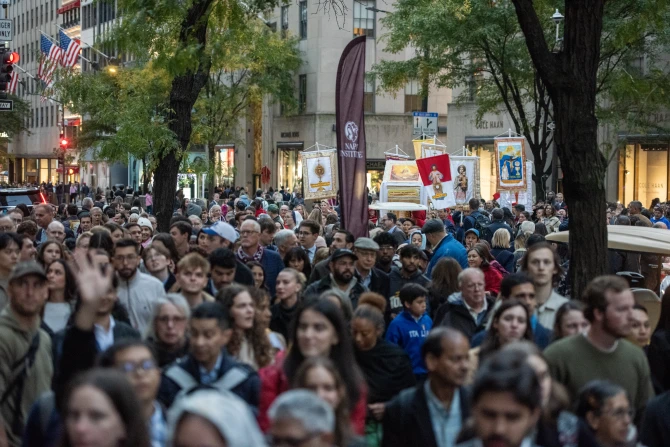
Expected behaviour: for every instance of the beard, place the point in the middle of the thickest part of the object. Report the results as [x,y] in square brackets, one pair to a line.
[613,331]
[342,278]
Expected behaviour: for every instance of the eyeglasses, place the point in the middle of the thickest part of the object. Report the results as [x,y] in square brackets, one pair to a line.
[132,367]
[304,233]
[167,319]
[247,232]
[276,441]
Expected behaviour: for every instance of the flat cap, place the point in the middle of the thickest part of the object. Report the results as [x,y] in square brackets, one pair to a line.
[365,243]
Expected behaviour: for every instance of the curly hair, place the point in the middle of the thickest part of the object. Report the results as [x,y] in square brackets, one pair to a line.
[258,339]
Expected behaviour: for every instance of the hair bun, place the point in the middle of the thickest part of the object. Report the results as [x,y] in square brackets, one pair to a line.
[374,300]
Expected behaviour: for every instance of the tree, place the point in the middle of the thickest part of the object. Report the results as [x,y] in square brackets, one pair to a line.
[14,122]
[573,77]
[259,64]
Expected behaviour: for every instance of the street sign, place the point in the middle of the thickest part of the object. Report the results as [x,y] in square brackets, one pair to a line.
[6,33]
[6,105]
[424,123]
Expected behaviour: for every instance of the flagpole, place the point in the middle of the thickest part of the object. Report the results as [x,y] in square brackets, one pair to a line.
[88,45]
[23,70]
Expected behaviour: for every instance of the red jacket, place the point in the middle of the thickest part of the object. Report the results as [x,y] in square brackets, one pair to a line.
[274,382]
[492,279]
[419,217]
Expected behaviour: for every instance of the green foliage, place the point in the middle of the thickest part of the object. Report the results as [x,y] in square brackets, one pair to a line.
[477,48]
[14,122]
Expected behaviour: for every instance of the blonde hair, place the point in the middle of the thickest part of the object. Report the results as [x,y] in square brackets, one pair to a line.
[500,238]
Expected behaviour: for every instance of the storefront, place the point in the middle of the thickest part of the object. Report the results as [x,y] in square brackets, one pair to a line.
[226,168]
[71,173]
[375,174]
[34,170]
[643,171]
[289,164]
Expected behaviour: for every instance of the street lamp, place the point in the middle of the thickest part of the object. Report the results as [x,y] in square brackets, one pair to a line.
[557,18]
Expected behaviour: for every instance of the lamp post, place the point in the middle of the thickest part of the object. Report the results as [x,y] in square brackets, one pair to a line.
[557,17]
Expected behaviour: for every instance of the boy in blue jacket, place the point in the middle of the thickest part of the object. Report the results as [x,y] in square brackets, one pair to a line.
[410,328]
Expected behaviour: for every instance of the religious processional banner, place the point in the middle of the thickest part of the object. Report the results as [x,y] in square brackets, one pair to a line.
[511,163]
[437,181]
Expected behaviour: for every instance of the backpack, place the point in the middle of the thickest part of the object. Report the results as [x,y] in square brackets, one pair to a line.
[230,379]
[482,224]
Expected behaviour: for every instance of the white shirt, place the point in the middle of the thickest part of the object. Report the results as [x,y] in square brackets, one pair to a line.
[104,338]
[56,315]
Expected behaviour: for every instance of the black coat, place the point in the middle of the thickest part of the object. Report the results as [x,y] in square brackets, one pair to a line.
[658,354]
[458,317]
[248,391]
[655,430]
[505,258]
[496,225]
[407,418]
[379,283]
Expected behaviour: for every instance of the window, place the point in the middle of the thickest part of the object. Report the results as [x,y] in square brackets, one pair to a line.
[284,20]
[303,19]
[41,14]
[364,19]
[302,93]
[52,116]
[52,9]
[369,95]
[412,98]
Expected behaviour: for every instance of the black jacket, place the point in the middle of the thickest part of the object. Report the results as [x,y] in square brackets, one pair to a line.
[457,316]
[496,225]
[319,271]
[248,390]
[317,288]
[379,282]
[407,418]
[658,354]
[655,430]
[76,351]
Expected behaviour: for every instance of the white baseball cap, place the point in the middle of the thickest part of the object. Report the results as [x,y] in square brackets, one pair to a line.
[222,229]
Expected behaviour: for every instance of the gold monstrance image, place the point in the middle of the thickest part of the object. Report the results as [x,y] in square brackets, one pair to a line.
[320,171]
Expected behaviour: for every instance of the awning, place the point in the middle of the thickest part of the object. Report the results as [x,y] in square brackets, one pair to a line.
[295,145]
[398,206]
[67,7]
[626,238]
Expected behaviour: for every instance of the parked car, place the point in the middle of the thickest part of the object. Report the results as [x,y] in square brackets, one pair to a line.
[11,197]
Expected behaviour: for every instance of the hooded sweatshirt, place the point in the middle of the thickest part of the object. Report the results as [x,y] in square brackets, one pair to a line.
[409,333]
[229,414]
[14,344]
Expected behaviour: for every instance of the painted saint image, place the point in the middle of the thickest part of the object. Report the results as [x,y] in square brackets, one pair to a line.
[461,185]
[436,177]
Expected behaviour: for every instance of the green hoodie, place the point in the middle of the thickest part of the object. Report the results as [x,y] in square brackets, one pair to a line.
[14,344]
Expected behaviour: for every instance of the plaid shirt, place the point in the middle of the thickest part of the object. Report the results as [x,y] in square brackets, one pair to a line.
[158,427]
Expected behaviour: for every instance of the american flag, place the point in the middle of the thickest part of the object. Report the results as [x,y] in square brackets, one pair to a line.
[13,82]
[70,48]
[52,54]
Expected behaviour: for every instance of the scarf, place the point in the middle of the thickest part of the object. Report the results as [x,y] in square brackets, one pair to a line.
[242,256]
[387,370]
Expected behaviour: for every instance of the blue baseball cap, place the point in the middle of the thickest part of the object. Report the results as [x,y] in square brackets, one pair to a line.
[472,230]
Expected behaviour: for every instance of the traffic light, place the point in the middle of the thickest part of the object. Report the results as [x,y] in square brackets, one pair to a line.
[63,143]
[7,61]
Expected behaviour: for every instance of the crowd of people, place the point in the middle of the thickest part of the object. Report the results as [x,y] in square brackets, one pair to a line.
[257,321]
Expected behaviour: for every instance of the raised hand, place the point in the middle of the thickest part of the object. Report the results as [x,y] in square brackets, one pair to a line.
[94,279]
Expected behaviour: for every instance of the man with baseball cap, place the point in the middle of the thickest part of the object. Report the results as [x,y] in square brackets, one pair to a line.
[342,277]
[471,238]
[26,367]
[374,279]
[221,235]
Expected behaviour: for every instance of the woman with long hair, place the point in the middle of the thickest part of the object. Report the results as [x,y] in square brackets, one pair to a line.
[167,333]
[249,342]
[570,320]
[319,330]
[444,282]
[289,288]
[317,216]
[510,323]
[319,375]
[541,229]
[62,295]
[297,258]
[551,220]
[264,316]
[480,257]
[258,272]
[386,367]
[101,408]
[49,252]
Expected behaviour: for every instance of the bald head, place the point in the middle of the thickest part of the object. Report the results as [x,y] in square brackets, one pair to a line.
[446,354]
[468,275]
[56,231]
